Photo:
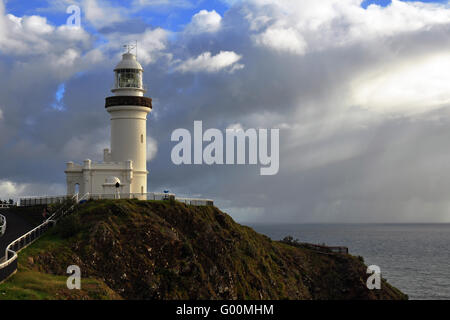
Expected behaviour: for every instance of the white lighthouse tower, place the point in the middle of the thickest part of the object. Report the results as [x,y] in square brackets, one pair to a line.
[124,167]
[129,109]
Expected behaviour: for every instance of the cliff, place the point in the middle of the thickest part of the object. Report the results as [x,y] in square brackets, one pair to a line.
[129,249]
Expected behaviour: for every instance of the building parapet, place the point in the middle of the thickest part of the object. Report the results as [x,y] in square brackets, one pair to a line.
[89,165]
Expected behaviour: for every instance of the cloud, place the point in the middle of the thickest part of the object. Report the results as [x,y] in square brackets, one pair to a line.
[316,25]
[282,39]
[204,21]
[206,62]
[83,146]
[416,85]
[100,13]
[14,190]
[152,148]
[360,96]
[151,45]
[235,127]
[10,189]
[34,36]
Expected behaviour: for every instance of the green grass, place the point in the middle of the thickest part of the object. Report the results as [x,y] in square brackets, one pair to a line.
[28,283]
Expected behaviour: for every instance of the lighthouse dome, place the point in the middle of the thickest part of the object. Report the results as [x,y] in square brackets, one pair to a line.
[129,62]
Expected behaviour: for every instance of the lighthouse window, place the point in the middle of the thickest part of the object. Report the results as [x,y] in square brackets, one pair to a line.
[129,78]
[142,138]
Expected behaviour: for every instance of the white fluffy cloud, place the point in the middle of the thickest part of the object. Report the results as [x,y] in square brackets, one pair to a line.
[13,190]
[10,189]
[151,46]
[204,21]
[399,83]
[206,62]
[282,39]
[33,35]
[294,26]
[100,13]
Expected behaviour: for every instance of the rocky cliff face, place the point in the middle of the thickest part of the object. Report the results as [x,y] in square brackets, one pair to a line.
[162,250]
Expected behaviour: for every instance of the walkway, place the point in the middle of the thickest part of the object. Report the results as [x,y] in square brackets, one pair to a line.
[16,226]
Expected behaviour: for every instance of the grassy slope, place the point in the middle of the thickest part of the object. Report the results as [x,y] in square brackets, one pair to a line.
[161,250]
[29,283]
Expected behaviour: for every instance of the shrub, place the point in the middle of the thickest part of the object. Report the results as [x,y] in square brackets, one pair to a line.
[69,226]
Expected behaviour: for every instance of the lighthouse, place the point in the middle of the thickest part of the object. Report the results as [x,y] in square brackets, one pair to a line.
[129,109]
[124,166]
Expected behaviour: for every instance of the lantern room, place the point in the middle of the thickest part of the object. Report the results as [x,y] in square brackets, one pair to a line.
[129,77]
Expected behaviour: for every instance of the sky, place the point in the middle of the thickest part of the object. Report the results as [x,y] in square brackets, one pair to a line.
[360,91]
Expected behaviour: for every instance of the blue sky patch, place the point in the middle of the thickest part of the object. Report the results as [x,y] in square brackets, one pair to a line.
[59,96]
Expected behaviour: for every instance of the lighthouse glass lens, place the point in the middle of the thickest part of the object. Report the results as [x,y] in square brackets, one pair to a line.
[129,78]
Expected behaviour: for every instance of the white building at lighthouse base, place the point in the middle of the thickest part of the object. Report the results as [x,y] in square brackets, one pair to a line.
[105,177]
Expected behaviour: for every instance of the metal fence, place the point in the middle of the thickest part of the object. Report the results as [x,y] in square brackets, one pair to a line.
[152,196]
[33,201]
[139,196]
[36,201]
[8,265]
[326,249]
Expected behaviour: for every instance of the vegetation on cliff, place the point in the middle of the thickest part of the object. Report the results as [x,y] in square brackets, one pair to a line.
[130,249]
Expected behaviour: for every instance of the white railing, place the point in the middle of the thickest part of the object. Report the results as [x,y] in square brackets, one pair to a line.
[2,225]
[76,200]
[32,201]
[6,206]
[24,241]
[28,238]
[196,202]
[152,196]
[140,196]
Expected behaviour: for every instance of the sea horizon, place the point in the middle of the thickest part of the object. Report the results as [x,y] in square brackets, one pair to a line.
[412,256]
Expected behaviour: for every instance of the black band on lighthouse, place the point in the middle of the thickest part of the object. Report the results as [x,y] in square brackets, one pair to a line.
[128,101]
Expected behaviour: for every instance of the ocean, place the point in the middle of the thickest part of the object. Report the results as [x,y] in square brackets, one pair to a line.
[415,258]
